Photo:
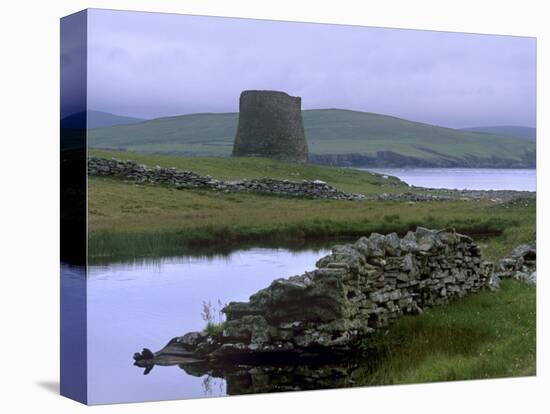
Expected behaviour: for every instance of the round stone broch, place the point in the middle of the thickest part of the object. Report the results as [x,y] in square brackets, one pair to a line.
[270,125]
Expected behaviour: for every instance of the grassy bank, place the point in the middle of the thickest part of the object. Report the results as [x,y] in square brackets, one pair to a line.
[129,219]
[486,335]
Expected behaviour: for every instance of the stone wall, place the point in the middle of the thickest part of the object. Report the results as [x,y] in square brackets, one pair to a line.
[130,170]
[353,292]
[270,125]
[521,265]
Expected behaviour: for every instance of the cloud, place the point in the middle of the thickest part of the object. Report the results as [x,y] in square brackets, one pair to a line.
[149,65]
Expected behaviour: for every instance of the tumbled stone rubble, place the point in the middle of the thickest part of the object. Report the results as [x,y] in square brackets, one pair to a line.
[356,290]
[186,179]
[521,265]
[408,196]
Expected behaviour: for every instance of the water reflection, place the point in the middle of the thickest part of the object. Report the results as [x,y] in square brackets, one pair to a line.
[217,252]
[290,376]
[210,385]
[149,301]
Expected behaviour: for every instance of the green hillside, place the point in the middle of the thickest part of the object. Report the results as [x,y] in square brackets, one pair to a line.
[510,130]
[99,119]
[334,136]
[96,119]
[197,134]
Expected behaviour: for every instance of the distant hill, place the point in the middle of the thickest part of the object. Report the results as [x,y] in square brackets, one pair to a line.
[335,136]
[97,119]
[509,130]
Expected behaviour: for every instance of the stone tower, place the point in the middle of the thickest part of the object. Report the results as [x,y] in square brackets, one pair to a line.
[270,125]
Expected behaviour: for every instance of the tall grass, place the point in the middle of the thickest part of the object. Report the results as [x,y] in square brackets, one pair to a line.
[105,244]
[486,335]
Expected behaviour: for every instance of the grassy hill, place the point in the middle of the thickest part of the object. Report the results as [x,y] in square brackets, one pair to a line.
[510,130]
[96,119]
[335,136]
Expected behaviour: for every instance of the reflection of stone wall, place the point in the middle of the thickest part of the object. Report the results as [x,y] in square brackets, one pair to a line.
[295,375]
[270,125]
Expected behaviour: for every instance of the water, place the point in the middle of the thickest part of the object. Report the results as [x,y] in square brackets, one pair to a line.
[145,304]
[465,178]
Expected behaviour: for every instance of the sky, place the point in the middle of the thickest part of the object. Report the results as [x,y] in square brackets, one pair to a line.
[150,65]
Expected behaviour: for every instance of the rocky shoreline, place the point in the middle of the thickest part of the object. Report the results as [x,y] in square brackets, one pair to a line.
[495,195]
[355,291]
[435,194]
[391,159]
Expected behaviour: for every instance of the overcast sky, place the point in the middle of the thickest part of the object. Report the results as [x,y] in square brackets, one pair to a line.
[150,65]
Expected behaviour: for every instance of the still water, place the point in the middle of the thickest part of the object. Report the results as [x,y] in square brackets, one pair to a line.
[145,304]
[465,178]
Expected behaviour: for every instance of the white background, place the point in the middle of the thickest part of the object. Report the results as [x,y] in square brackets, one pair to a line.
[29,236]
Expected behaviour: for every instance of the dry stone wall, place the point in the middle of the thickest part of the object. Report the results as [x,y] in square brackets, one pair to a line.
[521,265]
[353,292]
[131,170]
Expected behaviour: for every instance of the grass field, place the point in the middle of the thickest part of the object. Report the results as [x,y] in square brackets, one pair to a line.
[486,335]
[129,219]
[344,179]
[328,131]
